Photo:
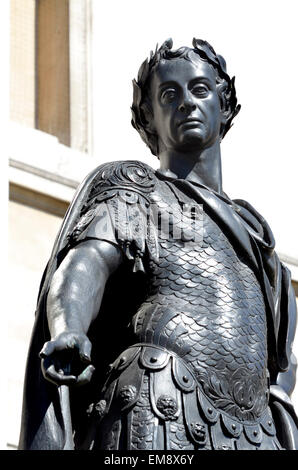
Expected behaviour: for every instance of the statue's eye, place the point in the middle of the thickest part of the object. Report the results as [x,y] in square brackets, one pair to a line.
[200,90]
[168,96]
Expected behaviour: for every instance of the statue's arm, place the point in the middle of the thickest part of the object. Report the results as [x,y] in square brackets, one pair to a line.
[73,302]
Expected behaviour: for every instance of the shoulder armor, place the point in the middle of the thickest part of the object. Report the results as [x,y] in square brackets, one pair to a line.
[127,175]
[121,191]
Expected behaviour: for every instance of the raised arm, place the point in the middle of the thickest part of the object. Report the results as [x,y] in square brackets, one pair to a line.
[73,303]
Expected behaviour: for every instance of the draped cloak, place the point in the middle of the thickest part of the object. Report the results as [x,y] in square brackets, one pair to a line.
[44,426]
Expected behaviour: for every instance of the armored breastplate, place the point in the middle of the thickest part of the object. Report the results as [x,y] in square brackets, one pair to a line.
[206,305]
[195,375]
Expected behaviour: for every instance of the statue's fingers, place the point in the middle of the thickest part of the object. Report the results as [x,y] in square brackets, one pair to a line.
[48,349]
[86,375]
[85,350]
[58,378]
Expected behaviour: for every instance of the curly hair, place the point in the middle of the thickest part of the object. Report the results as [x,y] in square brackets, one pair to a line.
[141,105]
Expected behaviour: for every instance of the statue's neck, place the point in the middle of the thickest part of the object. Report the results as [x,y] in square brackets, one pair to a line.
[201,166]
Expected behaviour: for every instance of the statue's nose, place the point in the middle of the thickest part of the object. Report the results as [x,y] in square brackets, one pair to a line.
[187,106]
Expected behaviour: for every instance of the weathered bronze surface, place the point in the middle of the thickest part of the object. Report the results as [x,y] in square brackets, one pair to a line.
[165,318]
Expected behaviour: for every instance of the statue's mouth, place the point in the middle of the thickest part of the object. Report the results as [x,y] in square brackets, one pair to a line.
[191,121]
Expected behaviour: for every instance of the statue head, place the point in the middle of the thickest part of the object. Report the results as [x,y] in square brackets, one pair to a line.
[161,63]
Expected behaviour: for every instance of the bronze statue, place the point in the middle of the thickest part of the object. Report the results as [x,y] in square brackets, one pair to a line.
[165,318]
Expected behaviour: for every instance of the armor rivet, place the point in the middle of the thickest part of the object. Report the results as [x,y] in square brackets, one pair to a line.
[255,433]
[122,359]
[234,426]
[209,410]
[185,379]
[269,423]
[153,359]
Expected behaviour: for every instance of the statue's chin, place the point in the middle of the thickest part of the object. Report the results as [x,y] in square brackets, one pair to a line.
[192,143]
[192,138]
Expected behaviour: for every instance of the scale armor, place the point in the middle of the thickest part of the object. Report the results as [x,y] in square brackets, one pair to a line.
[196,377]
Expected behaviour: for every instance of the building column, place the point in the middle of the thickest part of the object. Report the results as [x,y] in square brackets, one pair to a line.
[52,69]
[80,30]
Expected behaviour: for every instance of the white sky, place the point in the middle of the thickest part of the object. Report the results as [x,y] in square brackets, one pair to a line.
[259,42]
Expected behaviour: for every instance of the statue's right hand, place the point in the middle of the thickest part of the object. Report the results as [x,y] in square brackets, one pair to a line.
[66,359]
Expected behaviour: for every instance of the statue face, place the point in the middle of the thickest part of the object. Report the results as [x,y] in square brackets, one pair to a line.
[187,114]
